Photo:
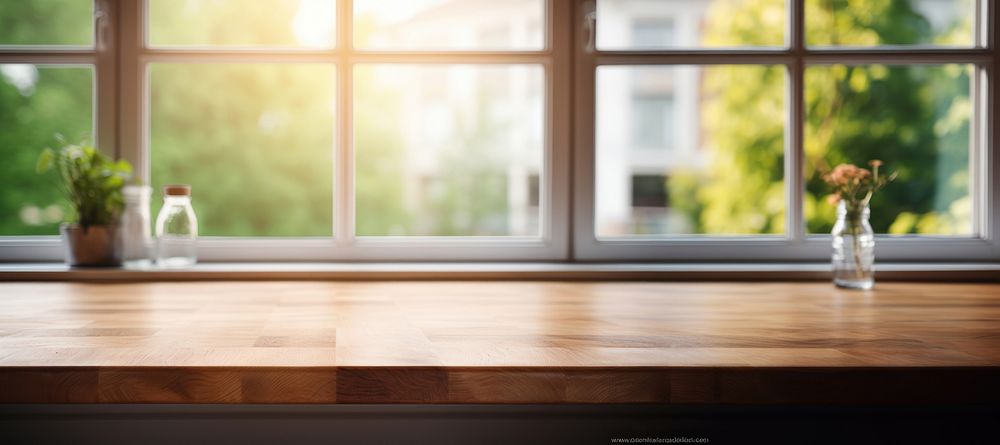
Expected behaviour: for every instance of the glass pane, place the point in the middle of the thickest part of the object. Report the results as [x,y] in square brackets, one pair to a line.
[255,141]
[448,150]
[684,150]
[913,118]
[653,24]
[281,23]
[889,22]
[449,24]
[47,22]
[36,103]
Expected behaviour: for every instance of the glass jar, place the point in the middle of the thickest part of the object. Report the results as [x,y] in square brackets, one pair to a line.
[176,229]
[137,241]
[853,248]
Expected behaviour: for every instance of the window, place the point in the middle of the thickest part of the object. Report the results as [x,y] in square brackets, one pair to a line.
[465,131]
[919,117]
[254,140]
[696,146]
[649,204]
[647,33]
[450,130]
[765,95]
[652,112]
[241,24]
[51,92]
[649,191]
[64,24]
[316,129]
[653,120]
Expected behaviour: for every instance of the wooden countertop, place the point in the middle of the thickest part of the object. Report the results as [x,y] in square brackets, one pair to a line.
[498,342]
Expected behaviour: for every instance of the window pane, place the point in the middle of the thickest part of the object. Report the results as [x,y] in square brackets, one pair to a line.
[282,23]
[448,150]
[47,22]
[255,141]
[653,24]
[889,22]
[36,103]
[449,24]
[707,159]
[913,118]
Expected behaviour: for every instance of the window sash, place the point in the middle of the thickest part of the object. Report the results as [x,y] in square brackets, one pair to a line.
[795,245]
[551,244]
[121,58]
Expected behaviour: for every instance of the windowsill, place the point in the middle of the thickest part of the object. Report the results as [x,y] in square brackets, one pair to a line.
[497,271]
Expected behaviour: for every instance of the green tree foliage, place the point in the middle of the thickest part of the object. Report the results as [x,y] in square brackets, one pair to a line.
[891,113]
[743,190]
[226,22]
[379,199]
[59,101]
[46,22]
[255,141]
[914,118]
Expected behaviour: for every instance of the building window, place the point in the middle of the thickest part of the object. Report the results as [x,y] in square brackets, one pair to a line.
[652,33]
[649,191]
[534,189]
[652,121]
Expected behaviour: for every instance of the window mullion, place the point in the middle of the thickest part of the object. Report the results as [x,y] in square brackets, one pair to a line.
[343,208]
[105,48]
[556,199]
[979,157]
[585,63]
[990,184]
[982,30]
[131,100]
[794,128]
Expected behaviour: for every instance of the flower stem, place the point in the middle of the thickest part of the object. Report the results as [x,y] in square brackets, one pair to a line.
[854,228]
[857,250]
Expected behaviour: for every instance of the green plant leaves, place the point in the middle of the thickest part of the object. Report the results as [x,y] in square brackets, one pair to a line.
[45,161]
[92,181]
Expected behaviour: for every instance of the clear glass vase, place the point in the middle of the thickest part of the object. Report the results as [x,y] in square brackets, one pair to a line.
[136,238]
[853,248]
[176,229]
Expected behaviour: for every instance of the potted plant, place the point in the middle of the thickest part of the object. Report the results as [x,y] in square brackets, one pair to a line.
[93,184]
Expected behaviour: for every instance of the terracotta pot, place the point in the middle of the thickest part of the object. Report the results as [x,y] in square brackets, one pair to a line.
[93,246]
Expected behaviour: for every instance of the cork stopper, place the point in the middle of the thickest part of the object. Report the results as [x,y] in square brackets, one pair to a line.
[177,190]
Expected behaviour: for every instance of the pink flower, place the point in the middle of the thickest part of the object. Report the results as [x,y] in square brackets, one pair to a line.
[846,174]
[855,185]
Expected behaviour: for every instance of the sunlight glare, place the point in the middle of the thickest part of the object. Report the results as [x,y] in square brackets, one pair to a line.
[393,11]
[313,25]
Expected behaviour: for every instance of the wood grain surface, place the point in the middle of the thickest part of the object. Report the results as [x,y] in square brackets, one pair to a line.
[498,342]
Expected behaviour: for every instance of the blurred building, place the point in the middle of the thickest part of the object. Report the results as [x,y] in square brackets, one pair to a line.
[502,108]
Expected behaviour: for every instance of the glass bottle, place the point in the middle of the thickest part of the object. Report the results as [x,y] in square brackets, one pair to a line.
[176,229]
[137,241]
[853,248]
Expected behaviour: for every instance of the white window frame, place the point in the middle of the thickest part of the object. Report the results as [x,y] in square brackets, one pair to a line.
[133,144]
[121,58]
[796,244]
[551,244]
